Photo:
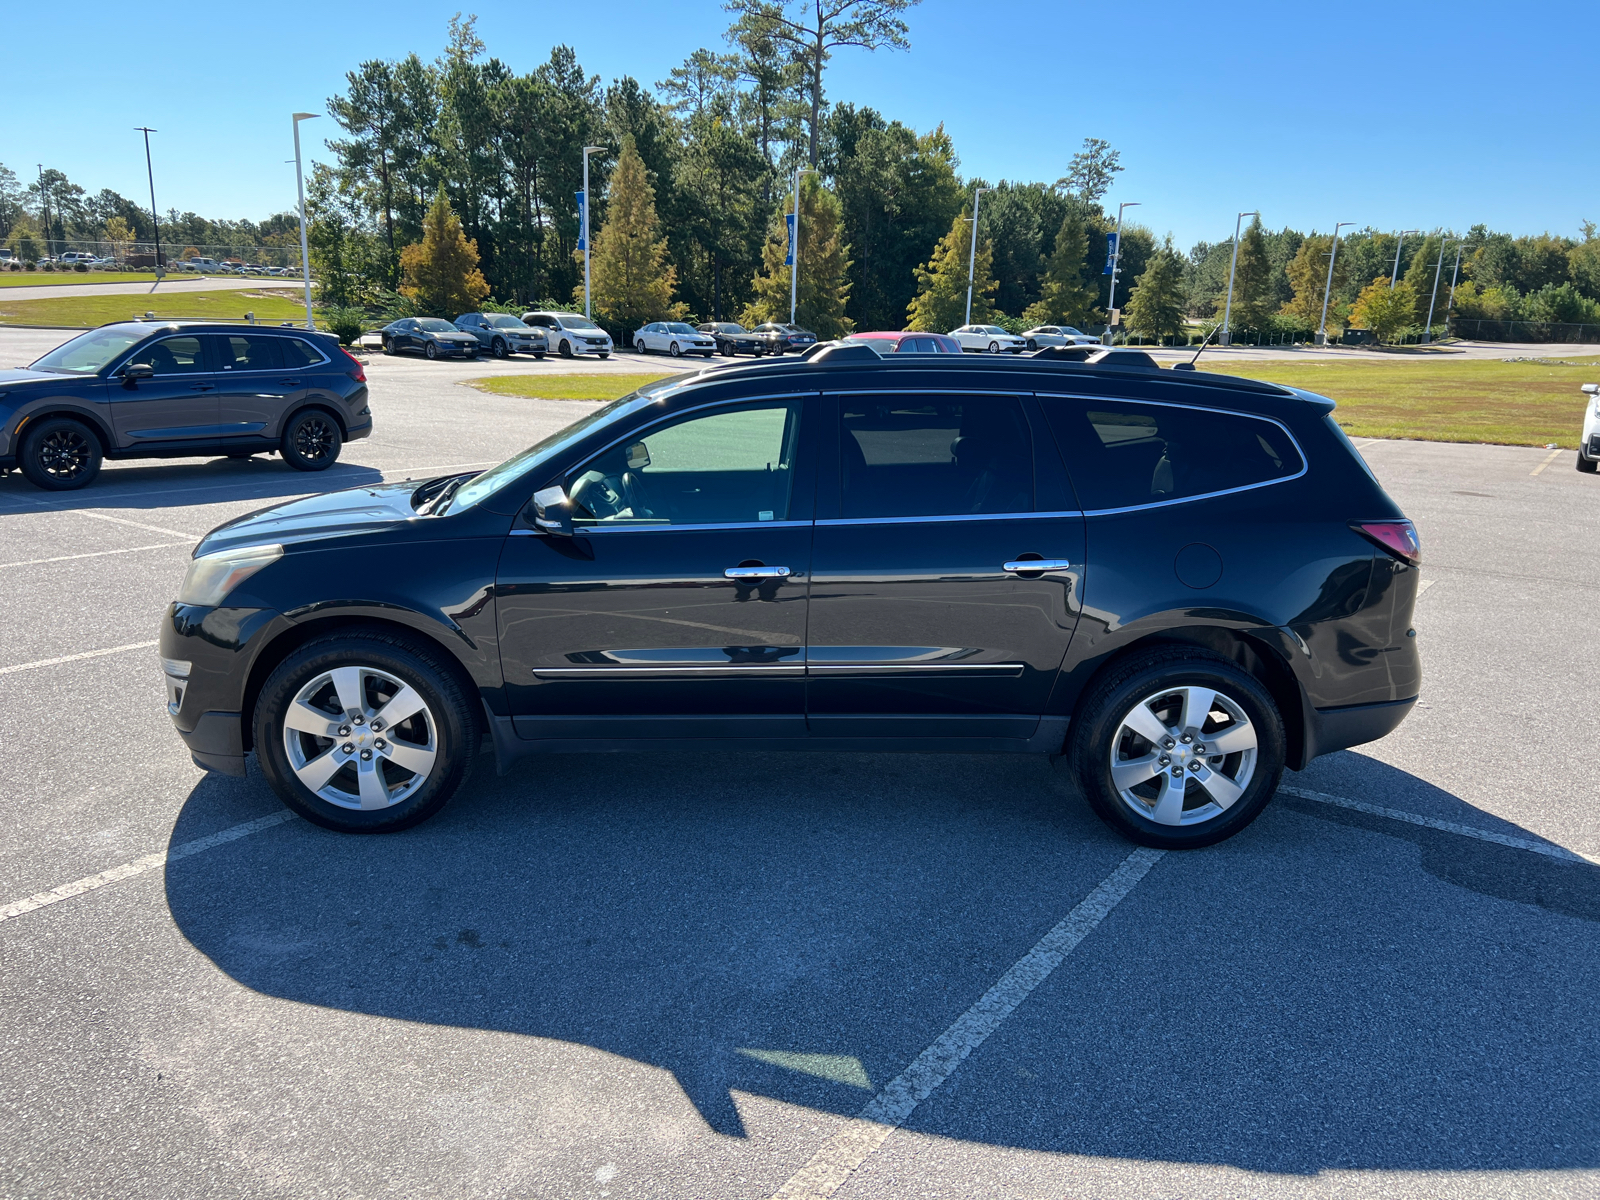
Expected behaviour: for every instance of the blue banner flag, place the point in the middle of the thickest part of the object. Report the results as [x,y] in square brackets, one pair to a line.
[583,221]
[1111,253]
[788,258]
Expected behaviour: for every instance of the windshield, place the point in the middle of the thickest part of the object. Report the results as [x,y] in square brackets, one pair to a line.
[570,322]
[680,327]
[513,469]
[506,322]
[435,325]
[89,352]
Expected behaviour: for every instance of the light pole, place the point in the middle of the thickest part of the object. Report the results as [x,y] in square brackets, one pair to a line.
[1327,291]
[583,235]
[1396,276]
[1227,307]
[1454,271]
[972,255]
[154,219]
[1116,265]
[1438,267]
[44,202]
[300,185]
[794,243]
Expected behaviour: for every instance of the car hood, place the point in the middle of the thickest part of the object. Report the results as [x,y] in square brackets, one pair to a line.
[22,375]
[352,512]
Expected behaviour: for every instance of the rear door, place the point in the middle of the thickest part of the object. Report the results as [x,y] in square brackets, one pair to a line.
[252,387]
[925,617]
[178,403]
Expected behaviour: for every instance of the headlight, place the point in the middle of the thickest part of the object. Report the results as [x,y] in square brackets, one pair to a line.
[212,577]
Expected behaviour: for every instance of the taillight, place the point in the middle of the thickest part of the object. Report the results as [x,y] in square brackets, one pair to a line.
[1399,538]
[357,371]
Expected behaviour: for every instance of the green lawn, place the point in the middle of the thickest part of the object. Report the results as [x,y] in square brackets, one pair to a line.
[1444,400]
[565,387]
[58,278]
[89,311]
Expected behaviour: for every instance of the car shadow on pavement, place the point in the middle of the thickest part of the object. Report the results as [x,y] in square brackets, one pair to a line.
[801,926]
[164,484]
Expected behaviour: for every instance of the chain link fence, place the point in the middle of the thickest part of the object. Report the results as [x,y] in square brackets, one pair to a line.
[1523,331]
[27,252]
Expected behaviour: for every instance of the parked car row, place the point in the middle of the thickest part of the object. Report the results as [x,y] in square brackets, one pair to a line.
[501,334]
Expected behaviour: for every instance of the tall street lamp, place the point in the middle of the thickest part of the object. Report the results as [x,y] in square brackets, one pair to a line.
[794,243]
[972,255]
[155,220]
[1456,270]
[1394,278]
[300,185]
[1327,291]
[1438,268]
[583,234]
[1227,308]
[1116,265]
[44,201]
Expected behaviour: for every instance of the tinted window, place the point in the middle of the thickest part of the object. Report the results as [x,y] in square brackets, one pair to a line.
[88,352]
[297,353]
[248,353]
[908,458]
[1126,454]
[435,325]
[734,466]
[174,356]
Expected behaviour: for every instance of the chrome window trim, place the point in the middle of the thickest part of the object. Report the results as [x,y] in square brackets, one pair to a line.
[1305,461]
[921,391]
[580,530]
[1026,516]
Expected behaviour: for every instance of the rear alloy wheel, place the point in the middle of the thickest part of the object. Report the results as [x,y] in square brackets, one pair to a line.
[1178,749]
[431,350]
[364,732]
[311,441]
[1587,465]
[498,349]
[59,454]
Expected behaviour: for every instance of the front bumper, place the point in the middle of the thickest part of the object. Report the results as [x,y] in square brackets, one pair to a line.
[207,705]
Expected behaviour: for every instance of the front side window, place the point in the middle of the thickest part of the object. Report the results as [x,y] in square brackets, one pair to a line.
[1122,455]
[912,457]
[733,466]
[175,356]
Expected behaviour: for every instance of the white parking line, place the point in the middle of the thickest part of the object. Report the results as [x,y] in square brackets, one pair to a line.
[66,658]
[888,1110]
[140,865]
[39,562]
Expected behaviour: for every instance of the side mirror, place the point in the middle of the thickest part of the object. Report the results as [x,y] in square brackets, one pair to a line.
[552,511]
[136,371]
[1592,388]
[638,456]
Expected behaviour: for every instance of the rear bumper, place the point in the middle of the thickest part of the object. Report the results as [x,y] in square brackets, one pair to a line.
[1331,729]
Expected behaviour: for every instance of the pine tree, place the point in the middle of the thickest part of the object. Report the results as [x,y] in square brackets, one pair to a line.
[1065,296]
[1253,300]
[632,281]
[1308,275]
[441,271]
[941,301]
[1155,308]
[824,284]
[1385,310]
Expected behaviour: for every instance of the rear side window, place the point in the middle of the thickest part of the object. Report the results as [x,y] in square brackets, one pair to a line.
[245,352]
[910,457]
[1125,454]
[297,353]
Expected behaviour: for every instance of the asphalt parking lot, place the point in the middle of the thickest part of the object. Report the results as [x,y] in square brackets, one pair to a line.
[717,975]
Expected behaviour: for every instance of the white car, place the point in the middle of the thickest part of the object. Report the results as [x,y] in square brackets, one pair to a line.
[570,334]
[1058,335]
[988,339]
[1589,447]
[676,338]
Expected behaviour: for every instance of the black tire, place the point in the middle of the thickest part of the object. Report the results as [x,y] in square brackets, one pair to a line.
[603,355]
[538,356]
[674,350]
[59,454]
[638,344]
[994,347]
[1100,716]
[565,348]
[387,347]
[1587,465]
[454,728]
[499,348]
[311,440]
[1032,345]
[431,350]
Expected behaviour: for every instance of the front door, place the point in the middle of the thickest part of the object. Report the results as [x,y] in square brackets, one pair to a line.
[679,608]
[925,617]
[179,402]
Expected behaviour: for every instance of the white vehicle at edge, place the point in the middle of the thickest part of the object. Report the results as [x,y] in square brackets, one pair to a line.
[1589,447]
[1057,335]
[570,334]
[675,338]
[988,339]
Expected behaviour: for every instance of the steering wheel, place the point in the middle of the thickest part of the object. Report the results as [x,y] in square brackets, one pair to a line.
[601,495]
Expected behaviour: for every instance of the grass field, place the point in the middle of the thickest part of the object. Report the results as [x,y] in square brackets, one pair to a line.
[564,387]
[89,311]
[10,279]
[1437,400]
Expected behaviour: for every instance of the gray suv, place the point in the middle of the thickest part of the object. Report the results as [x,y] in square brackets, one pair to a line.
[504,334]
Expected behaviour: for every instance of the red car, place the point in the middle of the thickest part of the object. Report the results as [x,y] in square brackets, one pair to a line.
[908,342]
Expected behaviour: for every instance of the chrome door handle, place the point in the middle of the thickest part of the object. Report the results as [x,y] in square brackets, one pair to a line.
[757,572]
[1036,564]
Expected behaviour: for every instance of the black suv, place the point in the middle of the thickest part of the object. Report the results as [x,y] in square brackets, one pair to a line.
[1183,583]
[180,389]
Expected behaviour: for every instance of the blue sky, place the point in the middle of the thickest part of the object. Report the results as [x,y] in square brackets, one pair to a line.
[1397,115]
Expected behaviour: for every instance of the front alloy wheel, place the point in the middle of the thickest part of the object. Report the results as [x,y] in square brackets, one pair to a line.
[431,350]
[499,348]
[674,350]
[360,738]
[59,454]
[994,347]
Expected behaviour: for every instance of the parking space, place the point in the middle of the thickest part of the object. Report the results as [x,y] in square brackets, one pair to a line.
[690,974]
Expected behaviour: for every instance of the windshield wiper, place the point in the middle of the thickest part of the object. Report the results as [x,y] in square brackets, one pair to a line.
[429,490]
[442,502]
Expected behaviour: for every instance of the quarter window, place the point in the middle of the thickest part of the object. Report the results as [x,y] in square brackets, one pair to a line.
[1122,455]
[933,458]
[298,353]
[730,467]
